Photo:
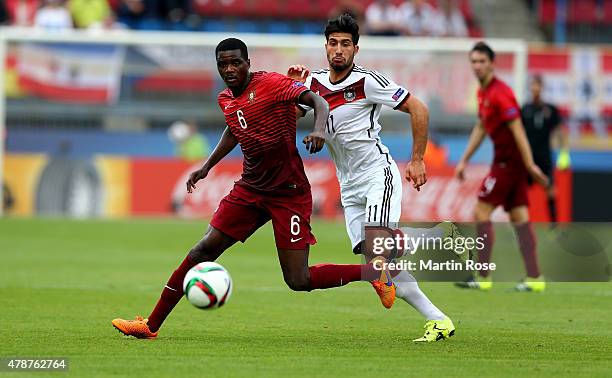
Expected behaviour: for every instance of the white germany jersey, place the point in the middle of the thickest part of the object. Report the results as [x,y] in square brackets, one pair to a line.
[352,129]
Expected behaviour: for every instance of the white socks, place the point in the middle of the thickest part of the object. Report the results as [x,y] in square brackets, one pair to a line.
[408,289]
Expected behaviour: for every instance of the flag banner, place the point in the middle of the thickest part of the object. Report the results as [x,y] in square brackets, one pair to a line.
[70,73]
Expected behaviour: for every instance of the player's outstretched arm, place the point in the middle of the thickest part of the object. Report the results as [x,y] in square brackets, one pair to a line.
[476,138]
[226,144]
[316,139]
[520,137]
[419,120]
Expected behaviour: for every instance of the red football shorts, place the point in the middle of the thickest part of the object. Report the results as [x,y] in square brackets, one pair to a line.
[505,186]
[243,211]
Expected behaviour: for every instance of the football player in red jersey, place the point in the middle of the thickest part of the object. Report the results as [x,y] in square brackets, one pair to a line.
[507,182]
[259,109]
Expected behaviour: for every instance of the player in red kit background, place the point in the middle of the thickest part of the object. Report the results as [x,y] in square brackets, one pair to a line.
[507,182]
[259,109]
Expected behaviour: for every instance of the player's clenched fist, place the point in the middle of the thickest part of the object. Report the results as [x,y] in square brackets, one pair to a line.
[194,177]
[298,72]
[415,172]
[314,141]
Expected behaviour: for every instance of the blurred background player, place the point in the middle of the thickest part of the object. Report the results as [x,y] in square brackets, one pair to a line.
[506,184]
[370,181]
[189,144]
[259,111]
[542,122]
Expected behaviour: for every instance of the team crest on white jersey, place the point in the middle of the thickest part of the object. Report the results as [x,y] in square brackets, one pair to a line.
[349,94]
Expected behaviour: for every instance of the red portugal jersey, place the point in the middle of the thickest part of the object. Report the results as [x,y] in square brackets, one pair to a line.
[263,120]
[496,107]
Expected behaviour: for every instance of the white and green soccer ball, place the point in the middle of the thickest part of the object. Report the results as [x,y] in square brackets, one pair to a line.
[207,285]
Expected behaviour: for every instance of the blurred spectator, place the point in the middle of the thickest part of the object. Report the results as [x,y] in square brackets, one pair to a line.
[352,7]
[131,11]
[419,18]
[190,145]
[452,23]
[53,15]
[22,12]
[176,10]
[382,18]
[4,16]
[86,13]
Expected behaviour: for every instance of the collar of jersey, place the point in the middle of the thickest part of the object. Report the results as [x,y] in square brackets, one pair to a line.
[344,78]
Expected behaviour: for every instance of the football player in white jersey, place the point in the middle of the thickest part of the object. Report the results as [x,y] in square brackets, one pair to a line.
[370,181]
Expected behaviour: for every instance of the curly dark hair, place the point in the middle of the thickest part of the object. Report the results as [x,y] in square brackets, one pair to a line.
[344,23]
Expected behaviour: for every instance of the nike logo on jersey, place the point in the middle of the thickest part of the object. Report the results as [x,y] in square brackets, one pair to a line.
[296,240]
[229,106]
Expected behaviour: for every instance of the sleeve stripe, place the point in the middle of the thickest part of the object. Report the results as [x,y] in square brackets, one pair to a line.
[378,80]
[384,79]
[378,77]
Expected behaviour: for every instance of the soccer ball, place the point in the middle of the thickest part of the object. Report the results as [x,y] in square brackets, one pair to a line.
[207,285]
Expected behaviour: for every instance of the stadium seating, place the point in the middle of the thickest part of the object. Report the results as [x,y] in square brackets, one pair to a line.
[582,12]
[588,21]
[273,16]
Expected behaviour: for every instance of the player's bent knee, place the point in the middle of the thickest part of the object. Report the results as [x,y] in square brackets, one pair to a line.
[299,283]
[204,250]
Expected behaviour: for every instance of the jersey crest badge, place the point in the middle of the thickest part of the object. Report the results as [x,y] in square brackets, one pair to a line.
[252,97]
[349,94]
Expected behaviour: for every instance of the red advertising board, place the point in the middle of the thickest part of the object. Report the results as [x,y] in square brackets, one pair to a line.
[158,183]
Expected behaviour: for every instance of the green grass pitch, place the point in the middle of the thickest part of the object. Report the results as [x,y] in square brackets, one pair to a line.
[61,283]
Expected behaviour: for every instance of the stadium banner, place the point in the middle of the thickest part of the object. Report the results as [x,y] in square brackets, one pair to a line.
[115,187]
[158,188]
[578,80]
[38,184]
[21,176]
[70,73]
[116,180]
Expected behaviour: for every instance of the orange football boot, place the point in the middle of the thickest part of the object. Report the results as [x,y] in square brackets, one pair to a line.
[384,287]
[137,328]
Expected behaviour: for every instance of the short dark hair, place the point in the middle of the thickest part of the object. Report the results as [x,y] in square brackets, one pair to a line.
[233,44]
[537,78]
[485,49]
[345,23]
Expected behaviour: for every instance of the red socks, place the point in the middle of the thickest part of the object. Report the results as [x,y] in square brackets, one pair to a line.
[170,296]
[324,276]
[527,244]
